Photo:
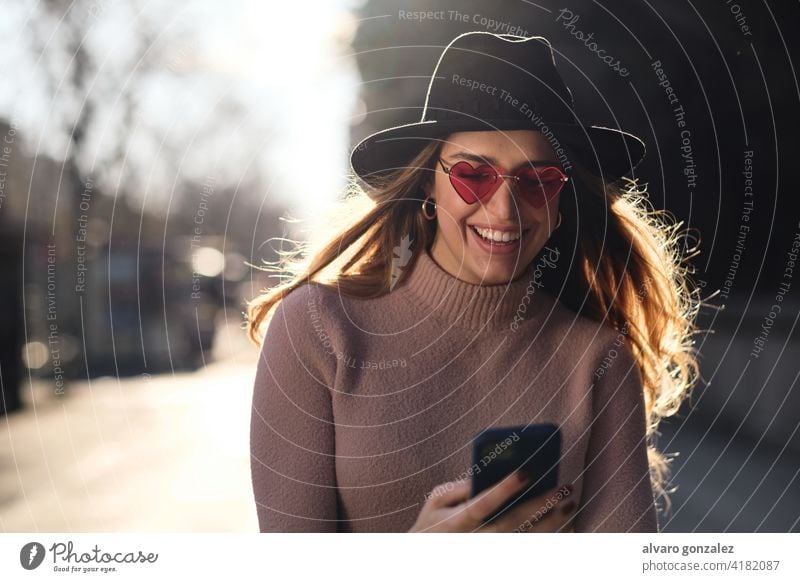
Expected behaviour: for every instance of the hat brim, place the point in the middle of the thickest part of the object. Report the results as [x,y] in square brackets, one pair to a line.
[607,152]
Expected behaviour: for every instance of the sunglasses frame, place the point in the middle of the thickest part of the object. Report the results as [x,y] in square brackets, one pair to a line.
[515,177]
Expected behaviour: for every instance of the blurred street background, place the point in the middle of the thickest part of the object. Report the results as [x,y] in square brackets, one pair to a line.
[151,152]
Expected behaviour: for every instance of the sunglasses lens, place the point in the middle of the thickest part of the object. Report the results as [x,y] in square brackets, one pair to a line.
[473,184]
[539,185]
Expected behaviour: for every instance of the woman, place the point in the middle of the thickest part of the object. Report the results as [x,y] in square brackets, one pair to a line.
[493,279]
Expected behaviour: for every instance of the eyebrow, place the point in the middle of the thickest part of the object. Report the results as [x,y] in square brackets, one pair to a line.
[493,161]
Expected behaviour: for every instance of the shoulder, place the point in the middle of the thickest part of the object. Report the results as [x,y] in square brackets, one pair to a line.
[299,299]
[298,327]
[303,307]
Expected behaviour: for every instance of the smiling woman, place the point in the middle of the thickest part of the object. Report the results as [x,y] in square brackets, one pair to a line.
[443,270]
[491,226]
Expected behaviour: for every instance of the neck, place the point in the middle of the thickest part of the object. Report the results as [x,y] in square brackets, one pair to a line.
[476,306]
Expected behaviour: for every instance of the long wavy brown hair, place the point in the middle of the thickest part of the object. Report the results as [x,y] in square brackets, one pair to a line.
[630,268]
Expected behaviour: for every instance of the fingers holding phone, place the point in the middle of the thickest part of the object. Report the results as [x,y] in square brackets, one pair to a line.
[444,509]
[532,451]
[452,508]
[513,486]
[548,512]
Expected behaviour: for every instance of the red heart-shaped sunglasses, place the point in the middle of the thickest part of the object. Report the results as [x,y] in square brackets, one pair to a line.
[534,185]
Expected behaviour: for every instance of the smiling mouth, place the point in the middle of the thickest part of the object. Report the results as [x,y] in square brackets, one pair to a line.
[499,237]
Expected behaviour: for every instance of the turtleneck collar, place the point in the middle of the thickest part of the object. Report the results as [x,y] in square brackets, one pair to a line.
[475,306]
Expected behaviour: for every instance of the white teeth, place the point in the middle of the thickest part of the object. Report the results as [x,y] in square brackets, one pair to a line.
[497,235]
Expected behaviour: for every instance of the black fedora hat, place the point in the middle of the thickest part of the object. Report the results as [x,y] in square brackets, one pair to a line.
[494,82]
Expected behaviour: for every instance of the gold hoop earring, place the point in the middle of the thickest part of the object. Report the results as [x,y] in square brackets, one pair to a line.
[559,221]
[424,209]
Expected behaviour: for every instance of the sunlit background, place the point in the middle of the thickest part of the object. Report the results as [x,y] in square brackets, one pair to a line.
[151,151]
[154,147]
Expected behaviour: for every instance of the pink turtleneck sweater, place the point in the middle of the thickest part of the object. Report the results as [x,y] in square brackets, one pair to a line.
[361,407]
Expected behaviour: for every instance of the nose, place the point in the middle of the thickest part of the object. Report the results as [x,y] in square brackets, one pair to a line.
[504,205]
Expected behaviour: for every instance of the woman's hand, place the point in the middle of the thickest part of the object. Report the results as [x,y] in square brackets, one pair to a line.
[451,509]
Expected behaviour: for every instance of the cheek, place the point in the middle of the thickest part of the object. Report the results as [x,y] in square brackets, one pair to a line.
[545,219]
[547,212]
[451,210]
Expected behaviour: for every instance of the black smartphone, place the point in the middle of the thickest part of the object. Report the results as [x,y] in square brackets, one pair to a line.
[497,452]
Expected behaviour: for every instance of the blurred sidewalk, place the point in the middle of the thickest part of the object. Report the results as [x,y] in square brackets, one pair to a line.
[159,453]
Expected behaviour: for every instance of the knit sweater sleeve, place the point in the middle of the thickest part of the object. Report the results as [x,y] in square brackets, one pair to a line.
[617,493]
[291,427]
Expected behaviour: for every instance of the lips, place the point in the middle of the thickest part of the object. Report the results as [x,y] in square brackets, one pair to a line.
[498,248]
[513,233]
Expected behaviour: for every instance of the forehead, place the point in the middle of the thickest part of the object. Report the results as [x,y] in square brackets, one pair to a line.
[506,146]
